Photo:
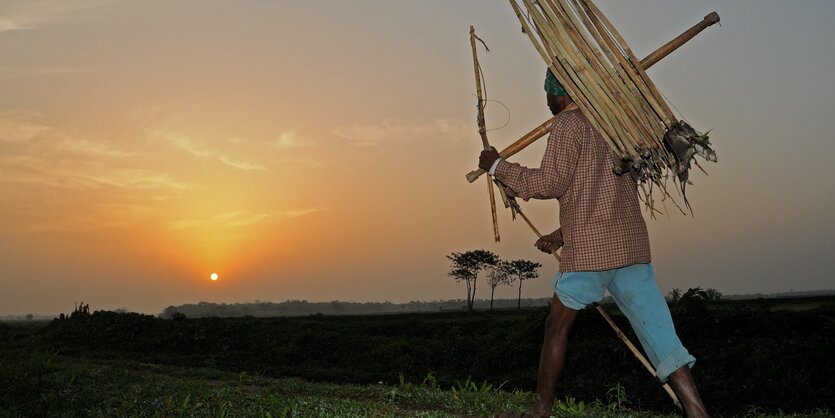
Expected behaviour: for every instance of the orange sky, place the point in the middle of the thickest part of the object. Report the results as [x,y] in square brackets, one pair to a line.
[317,150]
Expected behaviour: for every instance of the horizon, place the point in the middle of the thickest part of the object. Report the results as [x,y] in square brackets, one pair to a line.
[318,150]
[791,293]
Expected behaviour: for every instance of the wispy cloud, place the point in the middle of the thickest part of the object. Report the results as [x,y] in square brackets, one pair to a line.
[240,218]
[140,179]
[200,150]
[39,154]
[397,130]
[291,140]
[298,213]
[28,15]
[240,165]
[189,145]
[90,147]
[15,72]
[19,126]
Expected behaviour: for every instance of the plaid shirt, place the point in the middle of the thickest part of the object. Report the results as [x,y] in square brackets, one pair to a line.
[600,213]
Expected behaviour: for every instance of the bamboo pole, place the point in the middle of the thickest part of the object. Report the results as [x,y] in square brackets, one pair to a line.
[624,94]
[545,127]
[666,113]
[596,87]
[566,72]
[482,130]
[636,352]
[590,56]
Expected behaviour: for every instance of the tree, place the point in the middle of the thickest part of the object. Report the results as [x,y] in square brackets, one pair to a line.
[694,301]
[522,270]
[674,294]
[694,294]
[496,275]
[467,265]
[713,294]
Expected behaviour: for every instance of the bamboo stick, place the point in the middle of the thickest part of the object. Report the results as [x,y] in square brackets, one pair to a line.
[573,83]
[588,54]
[613,43]
[544,127]
[636,352]
[482,130]
[671,46]
[627,92]
[667,114]
[593,108]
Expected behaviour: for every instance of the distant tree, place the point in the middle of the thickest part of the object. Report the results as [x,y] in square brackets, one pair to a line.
[694,301]
[497,275]
[713,294]
[29,317]
[467,265]
[522,270]
[674,294]
[694,294]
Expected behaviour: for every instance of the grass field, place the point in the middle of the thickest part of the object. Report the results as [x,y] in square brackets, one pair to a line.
[122,365]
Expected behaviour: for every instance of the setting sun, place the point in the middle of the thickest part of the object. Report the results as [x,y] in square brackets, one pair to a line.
[213,276]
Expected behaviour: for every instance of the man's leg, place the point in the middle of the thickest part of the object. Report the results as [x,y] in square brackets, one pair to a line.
[552,358]
[685,389]
[638,297]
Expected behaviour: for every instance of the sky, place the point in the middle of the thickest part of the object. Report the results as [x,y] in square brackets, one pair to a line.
[317,150]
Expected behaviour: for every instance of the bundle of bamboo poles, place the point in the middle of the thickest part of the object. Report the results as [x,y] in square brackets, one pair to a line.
[607,82]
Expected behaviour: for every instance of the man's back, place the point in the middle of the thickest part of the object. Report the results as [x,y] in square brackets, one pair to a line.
[600,214]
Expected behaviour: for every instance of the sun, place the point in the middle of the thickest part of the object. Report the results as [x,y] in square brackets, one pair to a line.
[213,276]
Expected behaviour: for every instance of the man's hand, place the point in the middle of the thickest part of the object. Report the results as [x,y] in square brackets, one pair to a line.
[550,243]
[487,158]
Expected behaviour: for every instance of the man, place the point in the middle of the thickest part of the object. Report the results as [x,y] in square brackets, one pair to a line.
[605,246]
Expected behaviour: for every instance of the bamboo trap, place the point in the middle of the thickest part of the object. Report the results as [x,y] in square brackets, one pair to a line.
[610,86]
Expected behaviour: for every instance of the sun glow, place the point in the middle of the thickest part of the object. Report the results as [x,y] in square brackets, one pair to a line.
[213,276]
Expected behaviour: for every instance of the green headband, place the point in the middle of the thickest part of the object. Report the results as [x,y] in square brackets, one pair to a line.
[552,86]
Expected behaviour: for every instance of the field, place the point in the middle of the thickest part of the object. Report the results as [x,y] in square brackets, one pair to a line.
[755,358]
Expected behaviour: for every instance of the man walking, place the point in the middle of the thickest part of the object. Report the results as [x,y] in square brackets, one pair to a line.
[605,247]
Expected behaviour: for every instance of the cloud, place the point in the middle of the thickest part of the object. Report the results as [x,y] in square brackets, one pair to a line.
[29,15]
[38,154]
[201,151]
[189,145]
[298,213]
[140,179]
[14,72]
[240,165]
[96,148]
[241,218]
[19,126]
[397,130]
[286,140]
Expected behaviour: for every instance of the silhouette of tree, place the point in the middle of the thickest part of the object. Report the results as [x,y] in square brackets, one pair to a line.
[522,270]
[693,301]
[713,294]
[496,275]
[694,294]
[674,294]
[467,265]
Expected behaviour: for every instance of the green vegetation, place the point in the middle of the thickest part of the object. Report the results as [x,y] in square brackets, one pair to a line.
[753,360]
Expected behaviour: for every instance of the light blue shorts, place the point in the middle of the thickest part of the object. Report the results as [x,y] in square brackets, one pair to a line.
[634,290]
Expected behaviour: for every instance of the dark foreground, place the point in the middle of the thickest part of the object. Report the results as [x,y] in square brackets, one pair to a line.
[754,358]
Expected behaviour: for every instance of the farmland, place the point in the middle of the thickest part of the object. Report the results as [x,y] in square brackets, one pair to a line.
[755,358]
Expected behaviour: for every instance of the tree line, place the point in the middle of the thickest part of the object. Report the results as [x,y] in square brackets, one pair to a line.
[466,267]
